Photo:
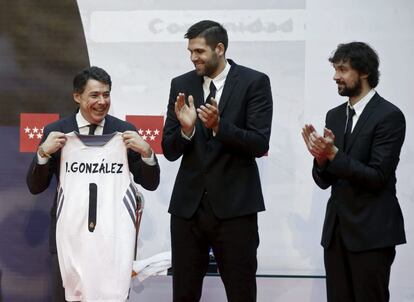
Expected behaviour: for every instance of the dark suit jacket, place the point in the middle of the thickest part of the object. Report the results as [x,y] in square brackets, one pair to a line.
[223,165]
[39,176]
[363,195]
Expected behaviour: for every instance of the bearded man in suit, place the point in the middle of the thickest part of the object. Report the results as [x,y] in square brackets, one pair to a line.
[219,130]
[357,156]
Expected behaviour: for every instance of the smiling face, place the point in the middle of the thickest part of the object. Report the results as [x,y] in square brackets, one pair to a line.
[94,101]
[207,62]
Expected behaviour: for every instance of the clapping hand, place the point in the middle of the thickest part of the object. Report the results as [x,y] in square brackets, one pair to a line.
[186,114]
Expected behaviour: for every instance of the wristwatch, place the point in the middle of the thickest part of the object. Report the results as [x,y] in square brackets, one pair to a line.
[42,152]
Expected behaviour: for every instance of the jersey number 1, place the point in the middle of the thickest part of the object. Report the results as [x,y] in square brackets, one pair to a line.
[93,197]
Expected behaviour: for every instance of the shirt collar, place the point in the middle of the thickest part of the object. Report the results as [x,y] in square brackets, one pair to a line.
[219,79]
[82,122]
[359,107]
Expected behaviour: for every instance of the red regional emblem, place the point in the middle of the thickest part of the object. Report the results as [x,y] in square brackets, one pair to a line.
[149,127]
[31,129]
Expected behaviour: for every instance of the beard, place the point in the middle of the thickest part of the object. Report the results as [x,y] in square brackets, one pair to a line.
[210,67]
[350,91]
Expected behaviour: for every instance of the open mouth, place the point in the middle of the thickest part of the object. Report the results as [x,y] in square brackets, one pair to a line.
[99,110]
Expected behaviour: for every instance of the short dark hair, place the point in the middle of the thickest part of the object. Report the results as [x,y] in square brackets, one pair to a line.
[95,73]
[361,57]
[212,31]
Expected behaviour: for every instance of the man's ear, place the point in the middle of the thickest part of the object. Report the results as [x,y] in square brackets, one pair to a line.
[364,76]
[220,49]
[76,97]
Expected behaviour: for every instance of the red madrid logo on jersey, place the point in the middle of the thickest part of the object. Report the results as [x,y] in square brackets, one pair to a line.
[149,127]
[31,129]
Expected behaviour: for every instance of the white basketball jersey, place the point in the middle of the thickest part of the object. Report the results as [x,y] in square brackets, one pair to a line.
[96,215]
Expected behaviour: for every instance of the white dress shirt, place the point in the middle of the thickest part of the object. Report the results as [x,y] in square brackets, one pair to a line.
[218,81]
[359,107]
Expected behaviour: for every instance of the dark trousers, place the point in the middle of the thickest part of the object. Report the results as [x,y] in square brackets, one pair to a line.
[234,243]
[357,276]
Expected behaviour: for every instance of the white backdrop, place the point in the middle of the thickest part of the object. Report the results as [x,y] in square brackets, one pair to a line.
[141,44]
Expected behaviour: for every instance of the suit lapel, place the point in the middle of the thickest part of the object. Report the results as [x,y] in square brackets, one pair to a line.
[338,127]
[197,91]
[198,94]
[108,128]
[229,85]
[70,125]
[368,110]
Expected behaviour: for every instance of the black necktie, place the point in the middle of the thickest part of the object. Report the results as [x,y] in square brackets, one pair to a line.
[92,128]
[348,126]
[212,93]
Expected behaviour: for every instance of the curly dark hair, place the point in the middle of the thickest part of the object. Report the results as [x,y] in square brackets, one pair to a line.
[212,31]
[361,57]
[95,73]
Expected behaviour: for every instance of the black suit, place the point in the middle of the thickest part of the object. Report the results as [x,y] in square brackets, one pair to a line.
[363,210]
[218,179]
[40,176]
